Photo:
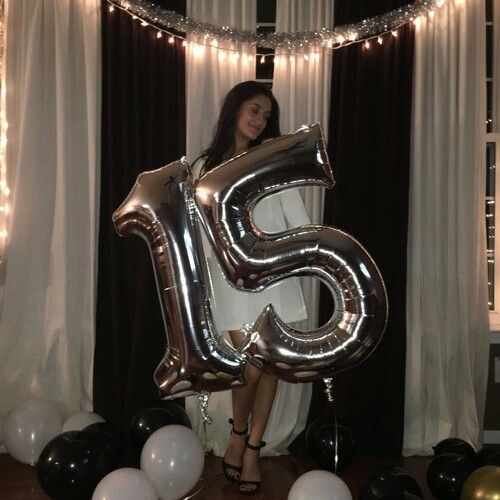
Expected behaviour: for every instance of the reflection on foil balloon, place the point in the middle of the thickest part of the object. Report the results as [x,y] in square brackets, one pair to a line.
[160,209]
[253,260]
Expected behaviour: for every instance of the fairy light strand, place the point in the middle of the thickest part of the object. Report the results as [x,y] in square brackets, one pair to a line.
[373,29]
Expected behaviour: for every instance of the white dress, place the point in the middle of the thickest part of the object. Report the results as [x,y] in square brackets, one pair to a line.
[233,308]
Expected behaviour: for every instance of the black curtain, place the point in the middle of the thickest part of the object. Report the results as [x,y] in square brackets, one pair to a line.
[143,127]
[369,147]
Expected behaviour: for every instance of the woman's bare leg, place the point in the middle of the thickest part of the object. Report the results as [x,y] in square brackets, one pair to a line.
[243,401]
[261,410]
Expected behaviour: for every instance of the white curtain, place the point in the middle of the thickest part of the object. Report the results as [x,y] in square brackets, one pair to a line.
[53,111]
[211,73]
[447,312]
[209,77]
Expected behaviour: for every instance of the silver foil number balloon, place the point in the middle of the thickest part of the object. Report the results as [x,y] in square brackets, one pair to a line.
[160,209]
[253,260]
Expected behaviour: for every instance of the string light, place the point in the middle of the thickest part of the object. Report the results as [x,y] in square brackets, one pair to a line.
[374,28]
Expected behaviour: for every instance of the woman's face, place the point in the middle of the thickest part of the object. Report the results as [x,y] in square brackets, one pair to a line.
[253,116]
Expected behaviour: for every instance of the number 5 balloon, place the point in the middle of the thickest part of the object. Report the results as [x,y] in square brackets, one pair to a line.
[252,260]
[164,207]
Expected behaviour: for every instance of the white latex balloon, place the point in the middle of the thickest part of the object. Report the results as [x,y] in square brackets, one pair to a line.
[28,427]
[173,458]
[80,420]
[125,484]
[320,485]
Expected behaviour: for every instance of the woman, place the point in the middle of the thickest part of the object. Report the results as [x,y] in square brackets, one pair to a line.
[249,115]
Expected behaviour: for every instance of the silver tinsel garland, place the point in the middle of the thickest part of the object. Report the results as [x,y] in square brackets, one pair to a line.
[326,37]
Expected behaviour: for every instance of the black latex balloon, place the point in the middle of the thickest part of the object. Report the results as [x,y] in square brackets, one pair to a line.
[486,456]
[70,468]
[177,411]
[329,443]
[149,420]
[108,438]
[446,475]
[390,482]
[455,445]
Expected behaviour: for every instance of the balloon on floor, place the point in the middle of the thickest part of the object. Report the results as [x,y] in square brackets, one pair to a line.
[70,467]
[482,484]
[149,420]
[455,445]
[125,484]
[108,438]
[28,427]
[320,485]
[78,421]
[446,475]
[389,482]
[329,443]
[173,458]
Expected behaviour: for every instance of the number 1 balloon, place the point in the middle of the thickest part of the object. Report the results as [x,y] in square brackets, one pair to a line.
[161,210]
[165,208]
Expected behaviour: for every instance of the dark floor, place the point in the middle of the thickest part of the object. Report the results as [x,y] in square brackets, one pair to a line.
[18,481]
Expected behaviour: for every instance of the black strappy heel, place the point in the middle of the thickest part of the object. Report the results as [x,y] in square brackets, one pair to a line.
[256,484]
[229,467]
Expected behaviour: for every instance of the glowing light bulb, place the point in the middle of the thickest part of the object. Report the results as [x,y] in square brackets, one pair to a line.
[159,34]
[367,44]
[379,40]
[171,39]
[394,33]
[111,8]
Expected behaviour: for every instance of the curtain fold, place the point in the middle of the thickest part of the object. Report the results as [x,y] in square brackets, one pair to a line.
[447,312]
[369,147]
[143,128]
[53,82]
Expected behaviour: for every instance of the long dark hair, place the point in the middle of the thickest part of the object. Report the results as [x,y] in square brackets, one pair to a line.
[223,140]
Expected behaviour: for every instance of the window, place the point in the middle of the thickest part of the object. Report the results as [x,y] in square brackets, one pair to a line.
[266,22]
[492,146]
